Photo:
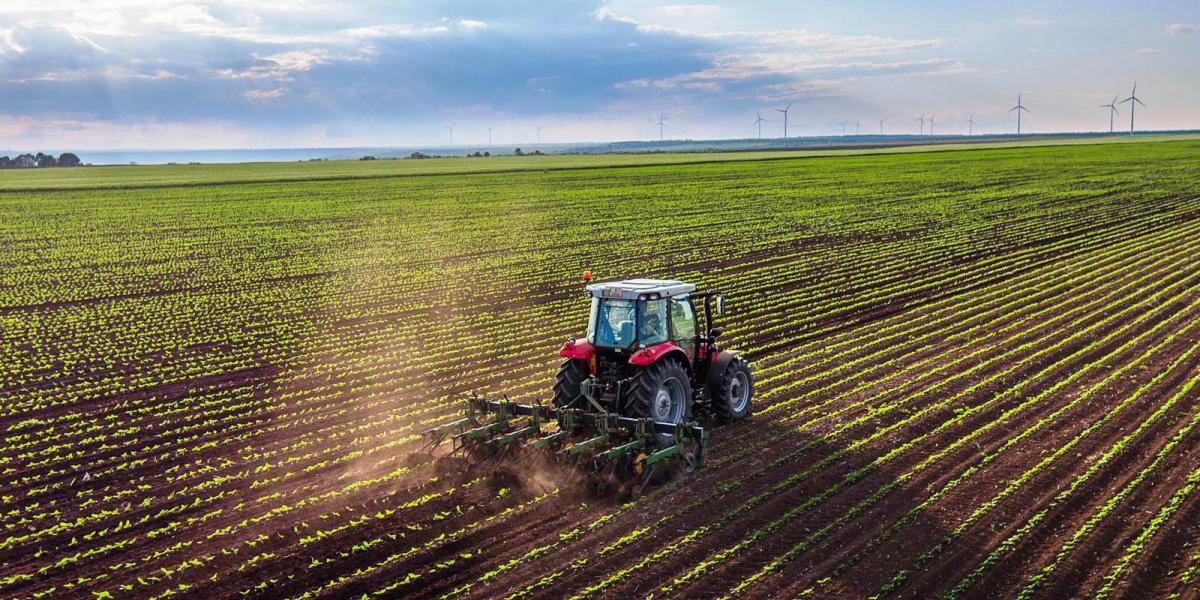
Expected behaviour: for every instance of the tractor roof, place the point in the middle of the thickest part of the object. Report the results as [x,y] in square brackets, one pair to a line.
[634,289]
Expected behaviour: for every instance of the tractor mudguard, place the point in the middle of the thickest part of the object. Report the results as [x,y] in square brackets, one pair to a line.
[580,349]
[647,356]
[717,370]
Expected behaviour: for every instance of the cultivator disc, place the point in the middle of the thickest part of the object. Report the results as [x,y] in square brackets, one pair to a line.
[616,453]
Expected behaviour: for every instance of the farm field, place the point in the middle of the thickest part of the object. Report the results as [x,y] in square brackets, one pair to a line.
[122,177]
[977,375]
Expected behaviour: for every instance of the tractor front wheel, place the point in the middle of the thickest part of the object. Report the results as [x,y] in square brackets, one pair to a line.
[570,376]
[731,398]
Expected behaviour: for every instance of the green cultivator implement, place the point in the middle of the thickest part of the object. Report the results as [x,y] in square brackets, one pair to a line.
[619,452]
[625,398]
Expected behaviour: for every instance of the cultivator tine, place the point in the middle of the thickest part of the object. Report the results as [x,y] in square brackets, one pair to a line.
[533,429]
[673,451]
[612,454]
[701,453]
[550,441]
[586,446]
[647,477]
[449,428]
[438,434]
[481,432]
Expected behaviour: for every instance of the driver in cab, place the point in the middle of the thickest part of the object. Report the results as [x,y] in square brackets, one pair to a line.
[653,328]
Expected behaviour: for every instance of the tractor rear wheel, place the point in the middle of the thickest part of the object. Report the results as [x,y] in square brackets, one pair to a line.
[570,376]
[661,391]
[731,398]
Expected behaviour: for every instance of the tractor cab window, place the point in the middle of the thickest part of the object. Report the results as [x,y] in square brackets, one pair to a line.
[654,322]
[683,320]
[612,322]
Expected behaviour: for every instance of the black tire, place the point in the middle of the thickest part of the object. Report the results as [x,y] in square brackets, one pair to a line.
[571,374]
[731,398]
[670,377]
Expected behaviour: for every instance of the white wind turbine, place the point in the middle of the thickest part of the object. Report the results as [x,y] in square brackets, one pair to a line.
[1112,111]
[785,110]
[1132,100]
[1019,107]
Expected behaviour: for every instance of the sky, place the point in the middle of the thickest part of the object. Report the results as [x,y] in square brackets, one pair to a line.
[107,74]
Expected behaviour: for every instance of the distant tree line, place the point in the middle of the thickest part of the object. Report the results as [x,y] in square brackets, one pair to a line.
[31,161]
[476,154]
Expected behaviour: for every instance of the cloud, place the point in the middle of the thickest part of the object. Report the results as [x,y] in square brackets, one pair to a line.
[399,30]
[298,60]
[1146,51]
[1032,22]
[739,61]
[687,10]
[187,17]
[281,66]
[266,94]
[1182,28]
[288,65]
[543,84]
[42,51]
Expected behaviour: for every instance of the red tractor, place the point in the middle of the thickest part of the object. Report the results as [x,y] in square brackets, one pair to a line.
[625,397]
[645,356]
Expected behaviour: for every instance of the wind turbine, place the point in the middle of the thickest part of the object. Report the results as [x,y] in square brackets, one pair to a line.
[922,120]
[1020,108]
[881,120]
[971,124]
[785,112]
[1112,110]
[843,124]
[489,136]
[539,132]
[856,126]
[661,125]
[452,134]
[1132,100]
[759,121]
[930,124]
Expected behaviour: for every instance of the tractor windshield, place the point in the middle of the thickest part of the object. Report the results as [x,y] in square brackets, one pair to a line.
[614,323]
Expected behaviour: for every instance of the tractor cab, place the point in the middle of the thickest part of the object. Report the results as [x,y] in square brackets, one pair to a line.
[639,313]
